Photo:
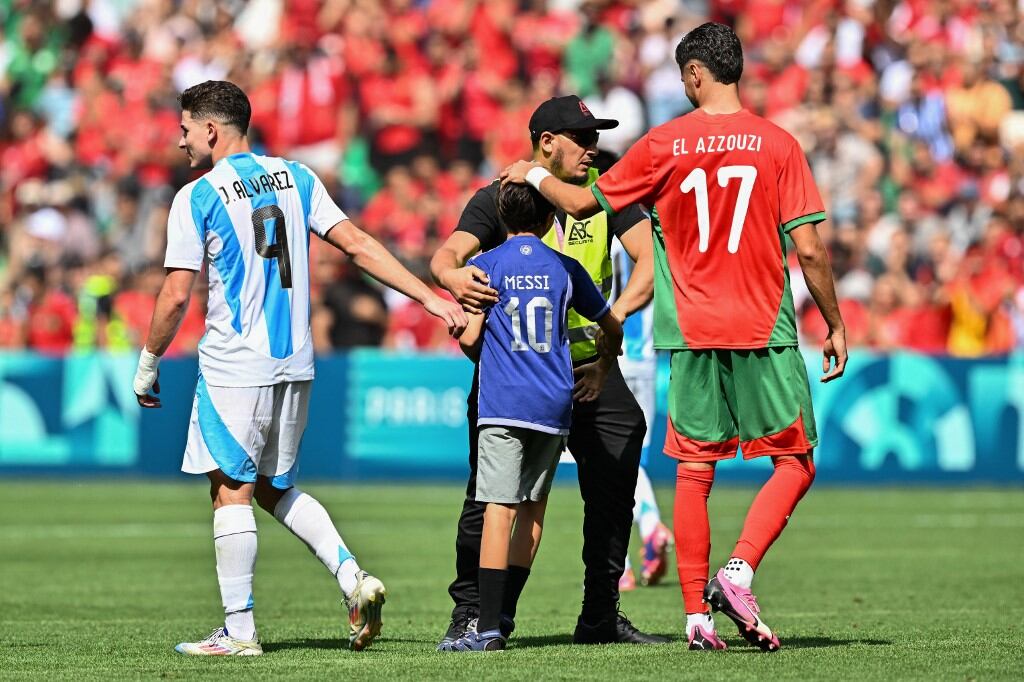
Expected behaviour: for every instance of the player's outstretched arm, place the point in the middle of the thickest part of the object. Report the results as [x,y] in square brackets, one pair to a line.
[577,201]
[371,257]
[171,305]
[818,275]
[468,284]
[639,244]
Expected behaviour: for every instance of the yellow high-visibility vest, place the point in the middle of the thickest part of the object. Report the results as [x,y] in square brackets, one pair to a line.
[587,242]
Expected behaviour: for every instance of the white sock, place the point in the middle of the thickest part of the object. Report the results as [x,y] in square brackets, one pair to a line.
[629,564]
[645,510]
[234,538]
[310,522]
[703,619]
[739,572]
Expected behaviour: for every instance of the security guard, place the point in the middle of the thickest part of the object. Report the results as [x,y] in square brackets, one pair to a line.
[607,434]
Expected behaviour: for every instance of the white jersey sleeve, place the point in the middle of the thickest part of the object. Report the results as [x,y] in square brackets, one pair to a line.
[184,238]
[323,212]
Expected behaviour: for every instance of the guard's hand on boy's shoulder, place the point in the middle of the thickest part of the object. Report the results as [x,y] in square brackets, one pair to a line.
[470,287]
[590,379]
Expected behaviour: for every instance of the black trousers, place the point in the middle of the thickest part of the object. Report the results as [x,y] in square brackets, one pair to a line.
[605,439]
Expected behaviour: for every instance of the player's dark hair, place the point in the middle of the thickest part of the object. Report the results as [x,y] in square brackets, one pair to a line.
[219,100]
[522,208]
[717,47]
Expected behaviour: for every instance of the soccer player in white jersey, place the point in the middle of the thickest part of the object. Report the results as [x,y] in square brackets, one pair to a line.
[248,220]
[639,368]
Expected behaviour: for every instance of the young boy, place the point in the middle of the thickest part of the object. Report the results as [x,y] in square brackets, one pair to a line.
[525,397]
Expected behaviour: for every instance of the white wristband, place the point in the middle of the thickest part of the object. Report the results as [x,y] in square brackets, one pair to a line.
[536,175]
[146,374]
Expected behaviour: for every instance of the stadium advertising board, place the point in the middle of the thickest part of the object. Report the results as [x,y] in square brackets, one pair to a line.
[892,419]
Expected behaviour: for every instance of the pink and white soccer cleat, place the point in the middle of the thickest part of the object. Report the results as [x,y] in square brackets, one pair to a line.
[740,605]
[656,551]
[702,640]
[220,643]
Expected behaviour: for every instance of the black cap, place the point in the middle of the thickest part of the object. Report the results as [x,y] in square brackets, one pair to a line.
[566,113]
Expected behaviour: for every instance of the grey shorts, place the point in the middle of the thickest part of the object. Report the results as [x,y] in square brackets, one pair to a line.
[515,464]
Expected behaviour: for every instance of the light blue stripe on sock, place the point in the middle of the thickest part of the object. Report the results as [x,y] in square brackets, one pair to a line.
[344,555]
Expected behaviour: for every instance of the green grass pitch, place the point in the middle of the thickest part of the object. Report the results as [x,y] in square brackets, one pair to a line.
[100,580]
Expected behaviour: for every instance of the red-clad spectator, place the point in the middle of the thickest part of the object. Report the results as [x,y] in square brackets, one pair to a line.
[541,34]
[786,80]
[452,18]
[446,70]
[936,183]
[455,188]
[136,75]
[410,328]
[51,315]
[508,140]
[758,20]
[406,28]
[135,306]
[363,49]
[481,103]
[491,30]
[25,156]
[300,22]
[312,98]
[398,213]
[399,105]
[94,145]
[145,145]
[855,316]
[889,322]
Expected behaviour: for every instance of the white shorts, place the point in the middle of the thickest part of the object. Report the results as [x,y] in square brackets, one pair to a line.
[245,431]
[641,377]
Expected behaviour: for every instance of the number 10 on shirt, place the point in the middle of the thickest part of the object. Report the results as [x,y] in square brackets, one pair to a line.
[697,182]
[513,310]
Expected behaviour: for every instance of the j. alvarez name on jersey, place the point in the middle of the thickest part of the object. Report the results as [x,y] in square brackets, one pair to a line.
[249,188]
[707,144]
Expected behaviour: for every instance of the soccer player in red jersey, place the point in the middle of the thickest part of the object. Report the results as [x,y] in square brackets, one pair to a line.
[725,188]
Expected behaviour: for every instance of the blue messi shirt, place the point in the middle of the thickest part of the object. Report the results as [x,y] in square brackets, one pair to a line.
[525,369]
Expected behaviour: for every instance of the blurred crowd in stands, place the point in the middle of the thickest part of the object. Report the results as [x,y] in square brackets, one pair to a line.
[911,113]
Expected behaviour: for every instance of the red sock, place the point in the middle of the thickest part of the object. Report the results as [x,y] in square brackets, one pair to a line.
[773,506]
[693,534]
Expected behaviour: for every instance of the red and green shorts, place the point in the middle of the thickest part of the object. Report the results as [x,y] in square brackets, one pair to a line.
[719,400]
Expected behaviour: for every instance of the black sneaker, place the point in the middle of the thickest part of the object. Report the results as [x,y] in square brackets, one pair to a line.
[460,625]
[613,630]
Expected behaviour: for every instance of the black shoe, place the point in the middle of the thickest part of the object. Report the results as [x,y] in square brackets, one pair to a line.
[460,625]
[613,630]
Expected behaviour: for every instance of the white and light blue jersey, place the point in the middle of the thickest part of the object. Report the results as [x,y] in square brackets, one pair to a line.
[249,218]
[638,329]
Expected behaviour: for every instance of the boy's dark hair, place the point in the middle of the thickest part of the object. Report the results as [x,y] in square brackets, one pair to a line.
[715,46]
[522,208]
[219,100]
